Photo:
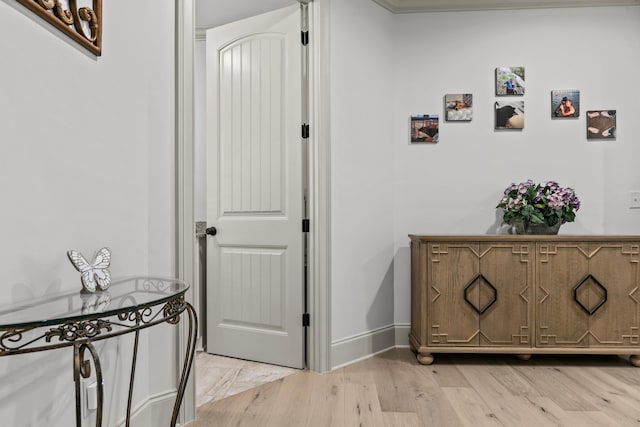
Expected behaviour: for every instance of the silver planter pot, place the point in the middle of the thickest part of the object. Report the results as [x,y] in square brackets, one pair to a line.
[522,227]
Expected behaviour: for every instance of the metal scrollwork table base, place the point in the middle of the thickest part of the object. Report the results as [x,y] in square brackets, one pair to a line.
[76,319]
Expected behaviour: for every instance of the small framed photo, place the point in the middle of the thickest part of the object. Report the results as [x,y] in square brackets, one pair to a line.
[424,128]
[565,103]
[601,124]
[510,81]
[509,115]
[458,107]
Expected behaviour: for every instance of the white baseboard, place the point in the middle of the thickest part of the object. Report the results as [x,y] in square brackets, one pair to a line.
[358,347]
[154,411]
[402,334]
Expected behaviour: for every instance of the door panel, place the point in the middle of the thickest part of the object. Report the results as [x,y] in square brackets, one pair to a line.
[251,288]
[561,322]
[453,321]
[615,268]
[252,129]
[254,196]
[509,270]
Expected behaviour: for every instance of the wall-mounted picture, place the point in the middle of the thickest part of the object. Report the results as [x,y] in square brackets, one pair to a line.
[509,115]
[458,107]
[601,124]
[424,128]
[565,103]
[510,81]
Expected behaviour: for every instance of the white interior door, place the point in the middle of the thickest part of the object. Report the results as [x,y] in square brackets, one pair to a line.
[254,189]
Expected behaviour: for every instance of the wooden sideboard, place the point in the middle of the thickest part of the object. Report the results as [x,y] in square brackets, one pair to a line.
[525,295]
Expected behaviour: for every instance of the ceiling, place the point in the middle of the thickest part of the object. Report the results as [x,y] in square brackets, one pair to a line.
[212,13]
[409,6]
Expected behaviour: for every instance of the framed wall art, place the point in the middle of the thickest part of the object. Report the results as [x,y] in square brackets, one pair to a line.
[509,115]
[601,124]
[458,107]
[565,103]
[510,81]
[424,128]
[82,24]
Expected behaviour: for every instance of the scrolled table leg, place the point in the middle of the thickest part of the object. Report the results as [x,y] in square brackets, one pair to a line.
[82,368]
[188,361]
[134,361]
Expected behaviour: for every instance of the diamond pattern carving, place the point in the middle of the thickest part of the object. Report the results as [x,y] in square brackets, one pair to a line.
[482,281]
[589,285]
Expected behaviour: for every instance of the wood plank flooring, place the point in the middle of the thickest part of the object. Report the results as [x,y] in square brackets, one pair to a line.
[393,390]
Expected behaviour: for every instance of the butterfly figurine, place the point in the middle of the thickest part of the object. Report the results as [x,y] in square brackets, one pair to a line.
[95,274]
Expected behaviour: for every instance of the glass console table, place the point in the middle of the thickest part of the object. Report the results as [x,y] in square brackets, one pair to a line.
[75,319]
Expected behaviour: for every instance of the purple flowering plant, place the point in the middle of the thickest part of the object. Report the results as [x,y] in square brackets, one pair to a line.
[539,203]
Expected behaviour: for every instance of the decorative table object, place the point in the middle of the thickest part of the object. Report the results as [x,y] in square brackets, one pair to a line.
[95,275]
[538,208]
[69,319]
[523,227]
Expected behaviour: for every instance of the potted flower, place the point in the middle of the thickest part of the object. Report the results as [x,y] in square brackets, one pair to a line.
[538,208]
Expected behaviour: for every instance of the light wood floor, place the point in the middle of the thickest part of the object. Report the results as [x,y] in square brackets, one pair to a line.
[393,390]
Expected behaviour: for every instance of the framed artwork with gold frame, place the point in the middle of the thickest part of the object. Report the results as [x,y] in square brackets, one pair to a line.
[83,24]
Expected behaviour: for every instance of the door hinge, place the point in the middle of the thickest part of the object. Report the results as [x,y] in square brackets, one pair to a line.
[304,37]
[305,225]
[305,319]
[305,131]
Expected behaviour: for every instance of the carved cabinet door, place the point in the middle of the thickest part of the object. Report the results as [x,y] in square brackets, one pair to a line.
[507,280]
[588,294]
[479,294]
[611,296]
[561,321]
[451,320]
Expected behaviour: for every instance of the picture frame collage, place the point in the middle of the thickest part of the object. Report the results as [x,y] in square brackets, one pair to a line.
[509,110]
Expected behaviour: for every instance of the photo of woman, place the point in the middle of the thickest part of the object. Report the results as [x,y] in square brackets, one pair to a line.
[565,103]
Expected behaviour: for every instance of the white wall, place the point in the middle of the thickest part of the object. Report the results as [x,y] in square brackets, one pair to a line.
[86,160]
[361,168]
[385,68]
[452,187]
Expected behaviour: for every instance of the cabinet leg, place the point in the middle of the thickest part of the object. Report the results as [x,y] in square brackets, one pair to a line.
[635,360]
[425,358]
[524,356]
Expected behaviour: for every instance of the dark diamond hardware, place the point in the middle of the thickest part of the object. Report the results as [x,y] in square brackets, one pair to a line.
[595,308]
[494,291]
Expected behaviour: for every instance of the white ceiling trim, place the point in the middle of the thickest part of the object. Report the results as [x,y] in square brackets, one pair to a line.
[412,6]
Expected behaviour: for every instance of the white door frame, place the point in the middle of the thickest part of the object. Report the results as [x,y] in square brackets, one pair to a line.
[186,257]
[319,333]
[319,344]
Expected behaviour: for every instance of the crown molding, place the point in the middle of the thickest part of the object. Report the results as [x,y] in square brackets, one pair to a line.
[413,6]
